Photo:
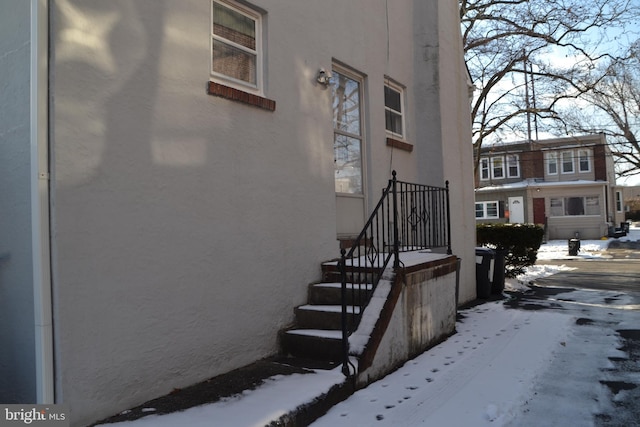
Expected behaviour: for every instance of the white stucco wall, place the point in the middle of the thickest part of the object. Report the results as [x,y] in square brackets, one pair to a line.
[17,342]
[457,146]
[186,227]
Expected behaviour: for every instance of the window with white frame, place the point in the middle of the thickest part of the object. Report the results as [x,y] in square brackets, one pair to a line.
[574,206]
[619,201]
[484,169]
[236,45]
[584,162]
[567,162]
[552,163]
[497,167]
[394,109]
[513,166]
[487,210]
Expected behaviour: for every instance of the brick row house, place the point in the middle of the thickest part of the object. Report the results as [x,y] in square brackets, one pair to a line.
[565,184]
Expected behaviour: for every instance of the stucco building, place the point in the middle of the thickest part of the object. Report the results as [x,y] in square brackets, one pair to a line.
[174,172]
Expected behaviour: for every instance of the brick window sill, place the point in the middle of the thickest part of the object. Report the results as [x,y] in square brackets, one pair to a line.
[399,144]
[233,94]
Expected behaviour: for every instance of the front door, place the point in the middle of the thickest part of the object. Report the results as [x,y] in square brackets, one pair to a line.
[539,215]
[516,210]
[348,146]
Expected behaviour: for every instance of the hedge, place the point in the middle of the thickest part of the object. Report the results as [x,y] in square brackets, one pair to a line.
[520,241]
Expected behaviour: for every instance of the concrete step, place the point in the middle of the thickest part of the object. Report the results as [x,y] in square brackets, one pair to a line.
[331,293]
[314,316]
[319,344]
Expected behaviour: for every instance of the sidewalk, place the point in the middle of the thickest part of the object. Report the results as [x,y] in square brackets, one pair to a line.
[268,392]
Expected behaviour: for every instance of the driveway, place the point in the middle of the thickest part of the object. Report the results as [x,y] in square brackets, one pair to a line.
[615,274]
[603,295]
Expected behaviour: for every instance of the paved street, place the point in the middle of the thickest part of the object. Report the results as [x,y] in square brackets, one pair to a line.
[604,297]
[617,274]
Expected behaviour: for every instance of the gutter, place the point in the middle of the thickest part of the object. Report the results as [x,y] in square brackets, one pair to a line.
[39,132]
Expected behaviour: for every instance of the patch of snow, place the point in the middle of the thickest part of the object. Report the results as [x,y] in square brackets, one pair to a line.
[329,308]
[321,333]
[359,339]
[253,408]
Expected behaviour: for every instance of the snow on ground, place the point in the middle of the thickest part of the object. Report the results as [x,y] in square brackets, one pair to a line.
[475,378]
[501,368]
[277,396]
[559,250]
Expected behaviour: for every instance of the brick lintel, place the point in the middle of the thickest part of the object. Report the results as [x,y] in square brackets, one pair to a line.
[401,145]
[227,92]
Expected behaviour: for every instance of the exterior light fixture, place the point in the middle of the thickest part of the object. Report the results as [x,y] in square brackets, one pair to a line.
[324,77]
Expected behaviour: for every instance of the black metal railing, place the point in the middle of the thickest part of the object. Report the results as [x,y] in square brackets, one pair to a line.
[408,217]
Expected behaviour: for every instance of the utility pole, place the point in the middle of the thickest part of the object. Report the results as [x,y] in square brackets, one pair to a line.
[533,95]
[526,95]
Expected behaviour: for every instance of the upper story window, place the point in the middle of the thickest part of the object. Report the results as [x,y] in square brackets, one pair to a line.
[393,110]
[584,164]
[484,169]
[552,163]
[567,162]
[513,166]
[236,45]
[497,167]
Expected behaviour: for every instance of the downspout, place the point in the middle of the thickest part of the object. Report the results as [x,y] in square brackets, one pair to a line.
[39,100]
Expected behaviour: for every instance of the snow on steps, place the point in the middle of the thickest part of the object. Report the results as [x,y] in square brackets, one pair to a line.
[317,334]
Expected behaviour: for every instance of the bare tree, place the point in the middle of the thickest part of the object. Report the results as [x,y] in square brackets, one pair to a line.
[613,108]
[558,44]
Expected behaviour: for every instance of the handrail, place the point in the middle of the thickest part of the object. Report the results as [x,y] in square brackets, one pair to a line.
[407,217]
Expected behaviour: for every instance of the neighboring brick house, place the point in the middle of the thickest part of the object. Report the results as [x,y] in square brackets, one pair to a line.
[566,184]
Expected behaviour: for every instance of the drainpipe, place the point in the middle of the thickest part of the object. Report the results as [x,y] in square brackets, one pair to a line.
[39,140]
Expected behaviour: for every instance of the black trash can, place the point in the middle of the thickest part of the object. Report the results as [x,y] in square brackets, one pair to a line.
[484,272]
[574,247]
[497,285]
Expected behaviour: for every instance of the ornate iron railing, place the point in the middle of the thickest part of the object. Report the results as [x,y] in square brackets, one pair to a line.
[408,217]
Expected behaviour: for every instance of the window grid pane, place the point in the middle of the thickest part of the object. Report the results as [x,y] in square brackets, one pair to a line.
[492,210]
[513,168]
[392,99]
[498,168]
[233,62]
[484,168]
[346,104]
[348,167]
[393,110]
[574,206]
[592,205]
[234,26]
[584,161]
[393,122]
[556,207]
[552,165]
[567,162]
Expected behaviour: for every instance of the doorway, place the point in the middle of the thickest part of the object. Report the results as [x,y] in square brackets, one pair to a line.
[348,148]
[516,210]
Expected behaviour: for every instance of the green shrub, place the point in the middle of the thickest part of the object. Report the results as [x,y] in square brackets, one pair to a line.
[520,241]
